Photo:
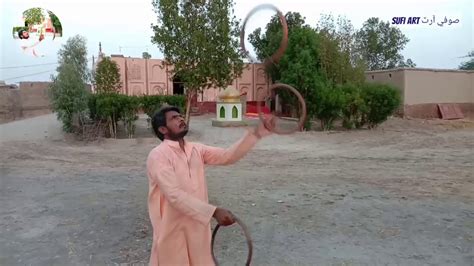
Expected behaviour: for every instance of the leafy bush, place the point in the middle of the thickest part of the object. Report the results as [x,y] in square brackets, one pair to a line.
[381,101]
[329,105]
[354,110]
[108,108]
[152,103]
[68,97]
[92,106]
[129,111]
[112,108]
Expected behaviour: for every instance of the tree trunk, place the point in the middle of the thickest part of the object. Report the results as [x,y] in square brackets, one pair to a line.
[111,127]
[115,126]
[189,99]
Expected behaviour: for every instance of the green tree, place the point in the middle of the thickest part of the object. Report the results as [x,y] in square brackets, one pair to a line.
[74,52]
[265,44]
[380,44]
[56,23]
[338,60]
[201,40]
[468,65]
[107,76]
[69,97]
[408,63]
[146,55]
[33,16]
[301,68]
[313,62]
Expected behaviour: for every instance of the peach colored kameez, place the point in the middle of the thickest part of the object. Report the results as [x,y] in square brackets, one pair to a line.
[178,201]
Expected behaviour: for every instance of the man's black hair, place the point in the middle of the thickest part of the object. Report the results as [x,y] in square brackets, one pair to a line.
[20,34]
[159,120]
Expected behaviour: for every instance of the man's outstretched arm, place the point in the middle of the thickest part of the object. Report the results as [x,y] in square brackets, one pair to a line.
[221,156]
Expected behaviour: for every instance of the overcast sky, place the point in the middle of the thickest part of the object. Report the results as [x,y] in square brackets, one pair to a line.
[126,23]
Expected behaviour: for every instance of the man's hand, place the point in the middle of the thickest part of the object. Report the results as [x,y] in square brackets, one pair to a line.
[266,127]
[223,217]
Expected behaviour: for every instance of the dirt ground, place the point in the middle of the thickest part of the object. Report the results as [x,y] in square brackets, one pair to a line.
[398,195]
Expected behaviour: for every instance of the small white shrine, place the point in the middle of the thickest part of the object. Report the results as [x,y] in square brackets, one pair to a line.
[229,109]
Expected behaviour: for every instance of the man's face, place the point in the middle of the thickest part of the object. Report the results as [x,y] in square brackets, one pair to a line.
[176,128]
[25,35]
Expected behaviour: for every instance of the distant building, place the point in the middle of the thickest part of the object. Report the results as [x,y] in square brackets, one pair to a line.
[151,77]
[28,100]
[422,89]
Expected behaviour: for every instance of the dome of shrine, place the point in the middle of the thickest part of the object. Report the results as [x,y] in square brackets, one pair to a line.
[230,94]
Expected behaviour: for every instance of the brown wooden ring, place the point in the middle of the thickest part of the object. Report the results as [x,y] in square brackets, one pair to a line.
[247,236]
[275,58]
[302,118]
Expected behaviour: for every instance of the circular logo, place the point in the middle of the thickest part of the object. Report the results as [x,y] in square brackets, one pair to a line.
[38,28]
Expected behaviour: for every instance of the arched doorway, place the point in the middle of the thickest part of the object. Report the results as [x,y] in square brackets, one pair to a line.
[178,85]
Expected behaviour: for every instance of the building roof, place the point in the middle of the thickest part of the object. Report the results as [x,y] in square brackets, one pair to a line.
[418,69]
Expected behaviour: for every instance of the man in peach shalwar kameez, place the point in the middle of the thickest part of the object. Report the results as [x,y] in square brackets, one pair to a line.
[178,201]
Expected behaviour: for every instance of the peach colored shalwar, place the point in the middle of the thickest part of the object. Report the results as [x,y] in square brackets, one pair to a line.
[178,201]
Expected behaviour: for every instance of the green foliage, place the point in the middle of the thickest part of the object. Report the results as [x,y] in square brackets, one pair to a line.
[33,16]
[56,23]
[380,45]
[381,101]
[68,96]
[108,108]
[112,108]
[129,113]
[326,65]
[201,40]
[408,63]
[146,55]
[299,68]
[338,60]
[357,104]
[151,103]
[74,52]
[354,109]
[468,65]
[265,44]
[92,107]
[330,101]
[314,59]
[68,92]
[107,76]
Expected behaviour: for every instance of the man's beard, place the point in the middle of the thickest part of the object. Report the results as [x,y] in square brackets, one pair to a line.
[178,136]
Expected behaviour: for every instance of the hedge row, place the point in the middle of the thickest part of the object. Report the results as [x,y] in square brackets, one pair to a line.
[357,105]
[111,108]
